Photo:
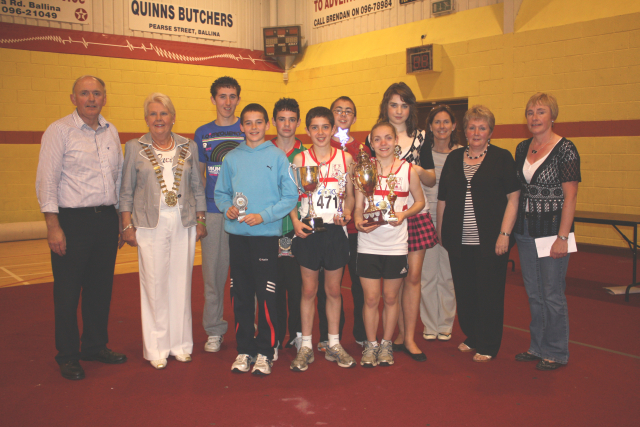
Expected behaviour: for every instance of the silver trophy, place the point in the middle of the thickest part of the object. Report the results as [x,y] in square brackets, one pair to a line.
[342,188]
[306,179]
[240,201]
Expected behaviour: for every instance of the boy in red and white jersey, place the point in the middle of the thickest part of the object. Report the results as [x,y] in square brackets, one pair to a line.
[329,249]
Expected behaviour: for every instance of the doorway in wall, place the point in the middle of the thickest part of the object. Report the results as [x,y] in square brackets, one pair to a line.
[458,106]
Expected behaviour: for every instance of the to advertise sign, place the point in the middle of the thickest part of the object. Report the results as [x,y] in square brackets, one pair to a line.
[74,11]
[326,12]
[167,18]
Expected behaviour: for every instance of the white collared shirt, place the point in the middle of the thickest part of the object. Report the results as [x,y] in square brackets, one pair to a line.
[79,166]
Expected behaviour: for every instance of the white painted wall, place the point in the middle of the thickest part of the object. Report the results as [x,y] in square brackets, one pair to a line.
[112,17]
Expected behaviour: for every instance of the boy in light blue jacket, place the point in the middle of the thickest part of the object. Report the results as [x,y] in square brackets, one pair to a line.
[255,192]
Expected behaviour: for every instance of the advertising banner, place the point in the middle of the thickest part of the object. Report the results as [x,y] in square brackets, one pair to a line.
[74,11]
[326,12]
[167,18]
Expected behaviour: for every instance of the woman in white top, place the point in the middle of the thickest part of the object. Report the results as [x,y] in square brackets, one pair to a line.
[438,302]
[382,250]
[548,168]
[163,215]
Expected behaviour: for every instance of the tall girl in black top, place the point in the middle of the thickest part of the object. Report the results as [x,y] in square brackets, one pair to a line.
[399,108]
[477,207]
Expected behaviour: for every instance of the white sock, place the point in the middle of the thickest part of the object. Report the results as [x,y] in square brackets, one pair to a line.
[334,339]
[374,343]
[384,341]
[306,341]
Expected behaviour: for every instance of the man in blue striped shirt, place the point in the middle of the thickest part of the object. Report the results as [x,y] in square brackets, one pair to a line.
[78,184]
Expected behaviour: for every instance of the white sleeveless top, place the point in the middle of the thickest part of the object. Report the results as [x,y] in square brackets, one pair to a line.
[528,170]
[387,239]
[325,202]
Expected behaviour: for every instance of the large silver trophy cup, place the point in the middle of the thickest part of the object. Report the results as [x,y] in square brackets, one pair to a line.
[306,179]
[364,175]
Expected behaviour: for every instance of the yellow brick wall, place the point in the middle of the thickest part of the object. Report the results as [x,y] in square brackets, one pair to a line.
[35,88]
[592,66]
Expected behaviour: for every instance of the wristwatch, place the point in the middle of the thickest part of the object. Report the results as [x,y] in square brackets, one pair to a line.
[562,237]
[128,227]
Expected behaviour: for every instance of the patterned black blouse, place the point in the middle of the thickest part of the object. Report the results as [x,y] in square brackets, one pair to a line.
[544,193]
[415,152]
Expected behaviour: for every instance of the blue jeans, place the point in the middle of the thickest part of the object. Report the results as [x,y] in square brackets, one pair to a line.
[544,280]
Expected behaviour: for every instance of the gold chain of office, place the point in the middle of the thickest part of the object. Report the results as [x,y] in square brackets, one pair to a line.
[170,196]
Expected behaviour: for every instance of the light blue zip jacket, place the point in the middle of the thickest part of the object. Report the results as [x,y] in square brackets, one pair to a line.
[261,174]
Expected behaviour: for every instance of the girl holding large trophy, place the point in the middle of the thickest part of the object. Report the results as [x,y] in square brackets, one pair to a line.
[383,247]
[399,107]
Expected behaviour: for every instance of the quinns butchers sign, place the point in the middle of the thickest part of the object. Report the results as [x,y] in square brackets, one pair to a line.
[182,20]
[74,11]
[327,12]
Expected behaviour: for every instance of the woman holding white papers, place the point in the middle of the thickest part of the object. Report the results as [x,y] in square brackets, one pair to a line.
[548,167]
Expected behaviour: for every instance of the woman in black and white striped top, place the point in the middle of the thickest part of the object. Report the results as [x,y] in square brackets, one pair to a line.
[477,204]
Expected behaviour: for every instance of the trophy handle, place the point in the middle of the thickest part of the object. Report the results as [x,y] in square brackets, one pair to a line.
[354,179]
[295,177]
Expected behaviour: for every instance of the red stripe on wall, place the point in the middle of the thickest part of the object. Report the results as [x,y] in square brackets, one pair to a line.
[46,39]
[519,131]
[574,129]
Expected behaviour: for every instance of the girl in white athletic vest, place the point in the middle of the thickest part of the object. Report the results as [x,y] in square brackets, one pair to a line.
[382,250]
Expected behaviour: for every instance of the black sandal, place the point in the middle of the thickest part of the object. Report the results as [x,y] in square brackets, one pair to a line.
[527,357]
[544,365]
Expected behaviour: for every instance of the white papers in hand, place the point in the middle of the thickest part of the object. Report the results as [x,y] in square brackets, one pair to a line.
[543,245]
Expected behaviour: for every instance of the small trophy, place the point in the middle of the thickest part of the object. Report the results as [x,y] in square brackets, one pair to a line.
[392,197]
[240,201]
[364,176]
[342,188]
[284,247]
[306,179]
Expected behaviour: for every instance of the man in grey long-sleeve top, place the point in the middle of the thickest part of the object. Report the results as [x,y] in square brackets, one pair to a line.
[77,184]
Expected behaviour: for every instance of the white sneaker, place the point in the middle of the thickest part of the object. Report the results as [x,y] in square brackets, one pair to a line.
[302,360]
[339,355]
[184,358]
[242,364]
[262,365]
[213,343]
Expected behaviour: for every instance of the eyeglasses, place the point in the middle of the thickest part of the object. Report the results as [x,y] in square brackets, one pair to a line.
[341,112]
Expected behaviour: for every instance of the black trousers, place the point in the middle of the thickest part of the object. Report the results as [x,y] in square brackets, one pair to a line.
[479,283]
[87,269]
[356,292]
[288,296]
[254,264]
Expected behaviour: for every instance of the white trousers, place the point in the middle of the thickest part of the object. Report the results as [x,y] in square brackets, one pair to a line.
[438,300]
[165,255]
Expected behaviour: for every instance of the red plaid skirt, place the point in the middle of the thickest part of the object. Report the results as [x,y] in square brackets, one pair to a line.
[422,233]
